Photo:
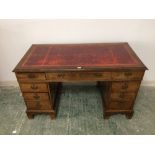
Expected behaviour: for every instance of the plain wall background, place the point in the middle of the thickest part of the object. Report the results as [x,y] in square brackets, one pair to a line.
[16,36]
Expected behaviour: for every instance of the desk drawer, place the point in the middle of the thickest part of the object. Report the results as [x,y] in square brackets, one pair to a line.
[127,75]
[34,87]
[125,86]
[36,96]
[119,105]
[38,105]
[30,76]
[122,96]
[79,76]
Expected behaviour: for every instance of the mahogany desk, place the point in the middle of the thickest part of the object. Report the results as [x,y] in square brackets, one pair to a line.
[114,66]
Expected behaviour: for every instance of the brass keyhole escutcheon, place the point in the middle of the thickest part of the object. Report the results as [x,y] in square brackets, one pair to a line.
[61,75]
[79,67]
[98,75]
[121,95]
[38,106]
[128,73]
[125,85]
[34,87]
[36,96]
[31,76]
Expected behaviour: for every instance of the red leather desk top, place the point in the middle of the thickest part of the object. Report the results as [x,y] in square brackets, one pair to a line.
[88,56]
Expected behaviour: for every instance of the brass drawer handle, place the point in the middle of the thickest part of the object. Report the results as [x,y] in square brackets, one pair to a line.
[125,86]
[31,76]
[128,73]
[121,95]
[38,105]
[34,87]
[98,75]
[61,75]
[121,102]
[82,75]
[36,96]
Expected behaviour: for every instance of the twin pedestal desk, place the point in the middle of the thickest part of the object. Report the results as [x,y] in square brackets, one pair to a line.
[114,66]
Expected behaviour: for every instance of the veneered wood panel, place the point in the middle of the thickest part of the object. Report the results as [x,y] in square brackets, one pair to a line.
[119,105]
[30,76]
[131,86]
[36,96]
[34,87]
[130,75]
[122,96]
[39,105]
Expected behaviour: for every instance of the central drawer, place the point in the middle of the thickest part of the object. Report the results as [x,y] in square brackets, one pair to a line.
[78,76]
[34,87]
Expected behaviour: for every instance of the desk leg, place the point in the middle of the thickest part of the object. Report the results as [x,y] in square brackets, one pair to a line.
[30,115]
[129,115]
[53,115]
[106,116]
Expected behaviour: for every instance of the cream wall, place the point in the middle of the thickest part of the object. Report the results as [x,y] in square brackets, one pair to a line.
[16,36]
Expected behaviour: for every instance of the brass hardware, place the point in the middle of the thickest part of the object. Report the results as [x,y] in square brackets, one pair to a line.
[38,106]
[128,73]
[31,76]
[34,87]
[79,67]
[125,86]
[83,75]
[61,75]
[121,95]
[121,104]
[98,75]
[36,96]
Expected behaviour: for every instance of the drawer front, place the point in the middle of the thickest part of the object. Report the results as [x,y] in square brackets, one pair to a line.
[30,76]
[38,105]
[79,76]
[122,96]
[127,75]
[119,105]
[34,87]
[36,96]
[125,86]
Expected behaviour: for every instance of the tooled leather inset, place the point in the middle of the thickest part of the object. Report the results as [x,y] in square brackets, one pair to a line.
[78,55]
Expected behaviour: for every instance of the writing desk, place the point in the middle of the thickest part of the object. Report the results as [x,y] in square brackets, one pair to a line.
[114,66]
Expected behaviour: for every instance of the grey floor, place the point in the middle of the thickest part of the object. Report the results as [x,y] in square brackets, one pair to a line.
[80,113]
